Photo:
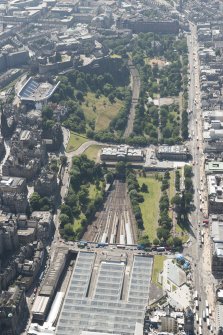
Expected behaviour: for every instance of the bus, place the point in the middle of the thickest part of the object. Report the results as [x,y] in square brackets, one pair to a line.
[160,249]
[195,296]
[101,245]
[82,244]
[208,323]
[204,315]
[200,330]
[121,246]
[197,318]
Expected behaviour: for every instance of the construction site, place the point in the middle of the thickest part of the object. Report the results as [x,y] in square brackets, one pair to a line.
[115,223]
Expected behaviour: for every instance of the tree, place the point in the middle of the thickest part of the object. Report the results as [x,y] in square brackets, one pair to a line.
[144,240]
[65,209]
[83,195]
[64,219]
[188,171]
[170,241]
[111,98]
[109,177]
[35,201]
[80,95]
[167,175]
[177,202]
[53,165]
[163,234]
[188,184]
[177,242]
[156,241]
[144,188]
[165,185]
[47,112]
[68,230]
[63,160]
[120,168]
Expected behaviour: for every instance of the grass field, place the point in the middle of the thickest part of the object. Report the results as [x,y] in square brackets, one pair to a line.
[150,206]
[101,110]
[182,233]
[77,223]
[92,152]
[75,141]
[172,185]
[93,191]
[157,267]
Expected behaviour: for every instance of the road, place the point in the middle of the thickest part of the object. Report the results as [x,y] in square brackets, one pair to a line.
[135,86]
[200,253]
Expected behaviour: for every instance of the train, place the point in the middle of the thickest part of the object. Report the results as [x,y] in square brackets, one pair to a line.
[101,245]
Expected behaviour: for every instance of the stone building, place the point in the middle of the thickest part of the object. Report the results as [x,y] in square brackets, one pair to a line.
[13,311]
[27,155]
[45,226]
[2,147]
[8,237]
[13,194]
[46,185]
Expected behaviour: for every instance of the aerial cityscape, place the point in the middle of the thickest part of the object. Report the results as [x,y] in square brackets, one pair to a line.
[111,167]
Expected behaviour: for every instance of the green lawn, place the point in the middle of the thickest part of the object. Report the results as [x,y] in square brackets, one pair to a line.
[92,152]
[182,233]
[157,267]
[150,206]
[172,185]
[115,56]
[77,223]
[104,111]
[75,141]
[93,191]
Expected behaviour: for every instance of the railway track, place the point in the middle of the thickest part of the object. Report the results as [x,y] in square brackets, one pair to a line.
[114,223]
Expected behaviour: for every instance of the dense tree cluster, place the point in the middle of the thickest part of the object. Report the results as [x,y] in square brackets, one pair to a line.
[120,121]
[165,181]
[177,180]
[168,79]
[135,196]
[170,124]
[183,201]
[38,203]
[184,125]
[78,204]
[72,91]
[165,223]
[117,126]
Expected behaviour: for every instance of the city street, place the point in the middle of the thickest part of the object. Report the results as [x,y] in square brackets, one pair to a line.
[200,253]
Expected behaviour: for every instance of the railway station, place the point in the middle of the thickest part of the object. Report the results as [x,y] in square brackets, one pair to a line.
[107,294]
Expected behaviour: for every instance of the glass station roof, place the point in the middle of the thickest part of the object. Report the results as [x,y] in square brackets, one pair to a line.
[117,301]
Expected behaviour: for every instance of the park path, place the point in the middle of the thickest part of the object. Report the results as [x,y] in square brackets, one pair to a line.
[83,147]
[135,86]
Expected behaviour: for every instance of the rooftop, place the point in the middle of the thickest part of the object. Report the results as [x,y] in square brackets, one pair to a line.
[54,272]
[35,91]
[172,149]
[217,231]
[96,289]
